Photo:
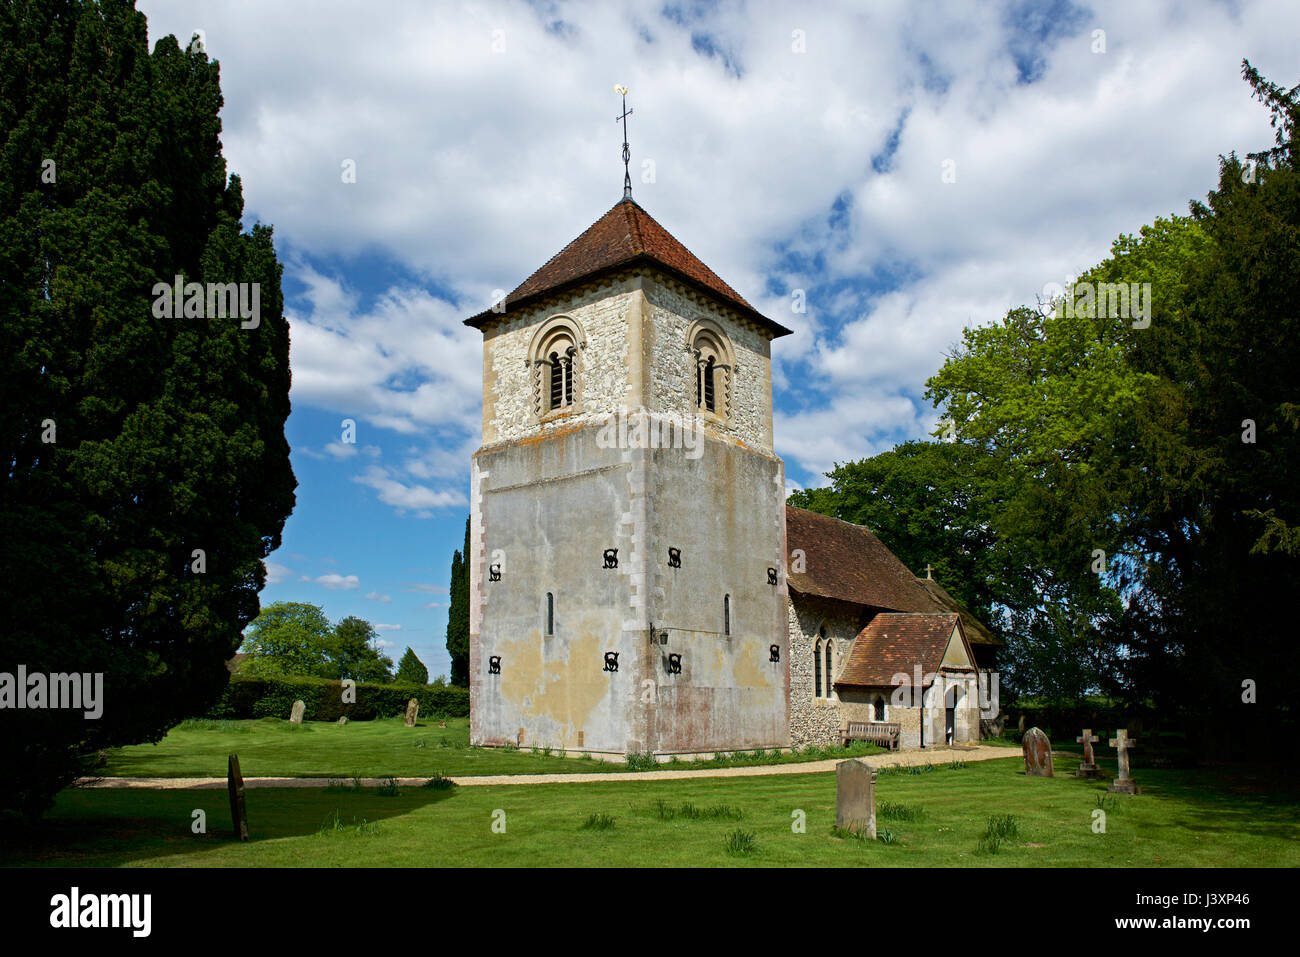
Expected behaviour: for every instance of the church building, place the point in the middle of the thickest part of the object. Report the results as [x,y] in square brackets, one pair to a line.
[637,583]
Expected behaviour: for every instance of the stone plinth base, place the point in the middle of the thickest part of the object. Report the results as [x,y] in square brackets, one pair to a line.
[1124,786]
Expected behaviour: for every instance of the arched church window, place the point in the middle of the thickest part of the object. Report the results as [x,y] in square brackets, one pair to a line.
[710,351]
[830,669]
[561,378]
[817,670]
[879,708]
[554,358]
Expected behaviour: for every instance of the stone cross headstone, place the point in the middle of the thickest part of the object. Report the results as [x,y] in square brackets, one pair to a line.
[235,784]
[1124,783]
[343,719]
[1088,769]
[855,797]
[295,715]
[1037,750]
[412,712]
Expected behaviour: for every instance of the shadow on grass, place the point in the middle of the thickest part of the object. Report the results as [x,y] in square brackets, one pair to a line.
[104,828]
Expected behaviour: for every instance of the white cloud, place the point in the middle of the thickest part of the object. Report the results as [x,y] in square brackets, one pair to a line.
[388,627]
[376,596]
[336,582]
[277,573]
[419,499]
[427,588]
[521,153]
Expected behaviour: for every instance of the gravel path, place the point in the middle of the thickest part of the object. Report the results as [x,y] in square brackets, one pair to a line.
[936,756]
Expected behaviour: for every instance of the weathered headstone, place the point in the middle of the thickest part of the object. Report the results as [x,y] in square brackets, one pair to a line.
[1123,783]
[412,712]
[855,797]
[443,724]
[296,713]
[1037,750]
[235,784]
[1088,769]
[343,719]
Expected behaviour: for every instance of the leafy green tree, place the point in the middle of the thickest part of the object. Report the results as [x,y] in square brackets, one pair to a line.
[290,638]
[412,670]
[458,615]
[1166,443]
[146,470]
[353,652]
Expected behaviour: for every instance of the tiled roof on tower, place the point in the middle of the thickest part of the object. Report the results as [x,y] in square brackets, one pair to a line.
[624,236]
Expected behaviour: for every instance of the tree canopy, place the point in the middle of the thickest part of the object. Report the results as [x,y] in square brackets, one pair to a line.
[412,670]
[147,473]
[1118,496]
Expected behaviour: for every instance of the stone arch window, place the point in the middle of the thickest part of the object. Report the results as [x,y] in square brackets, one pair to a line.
[830,668]
[817,669]
[714,363]
[554,357]
[878,708]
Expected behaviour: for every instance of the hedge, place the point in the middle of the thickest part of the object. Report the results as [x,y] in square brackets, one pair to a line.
[273,697]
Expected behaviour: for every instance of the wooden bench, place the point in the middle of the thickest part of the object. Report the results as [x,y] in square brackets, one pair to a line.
[874,732]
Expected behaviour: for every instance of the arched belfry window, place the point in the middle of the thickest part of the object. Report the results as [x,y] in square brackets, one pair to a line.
[711,355]
[560,374]
[554,358]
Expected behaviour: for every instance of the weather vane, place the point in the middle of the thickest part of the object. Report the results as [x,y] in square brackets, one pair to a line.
[627,153]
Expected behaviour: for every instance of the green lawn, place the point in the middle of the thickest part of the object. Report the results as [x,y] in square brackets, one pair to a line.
[272,747]
[1198,818]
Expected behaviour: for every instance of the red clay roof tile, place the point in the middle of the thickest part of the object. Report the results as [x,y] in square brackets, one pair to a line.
[625,235]
[895,643]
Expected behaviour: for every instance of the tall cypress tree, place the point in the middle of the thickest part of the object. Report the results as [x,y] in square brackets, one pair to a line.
[458,615]
[146,470]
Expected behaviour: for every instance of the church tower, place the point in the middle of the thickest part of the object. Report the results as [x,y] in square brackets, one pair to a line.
[627,580]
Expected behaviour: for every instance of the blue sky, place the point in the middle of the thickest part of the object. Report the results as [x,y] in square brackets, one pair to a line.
[910,168]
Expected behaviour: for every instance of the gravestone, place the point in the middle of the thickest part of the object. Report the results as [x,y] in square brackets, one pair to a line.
[235,785]
[1037,750]
[343,719]
[443,724]
[1123,783]
[412,712]
[295,715]
[1088,769]
[855,797]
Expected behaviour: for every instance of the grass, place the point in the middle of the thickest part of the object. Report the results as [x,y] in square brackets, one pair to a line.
[1207,817]
[271,747]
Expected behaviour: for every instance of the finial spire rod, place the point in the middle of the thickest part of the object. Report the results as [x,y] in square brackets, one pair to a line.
[627,152]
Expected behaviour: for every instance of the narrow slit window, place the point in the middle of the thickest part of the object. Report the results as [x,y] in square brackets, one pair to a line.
[726,614]
[557,382]
[830,671]
[817,670]
[550,613]
[710,402]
